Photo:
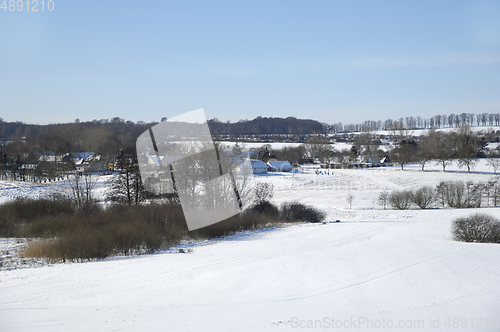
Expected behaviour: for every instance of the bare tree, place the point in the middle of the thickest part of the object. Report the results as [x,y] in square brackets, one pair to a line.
[383,198]
[292,154]
[424,150]
[494,163]
[468,147]
[405,149]
[467,158]
[82,187]
[126,187]
[495,190]
[452,193]
[350,199]
[441,148]
[318,147]
[405,152]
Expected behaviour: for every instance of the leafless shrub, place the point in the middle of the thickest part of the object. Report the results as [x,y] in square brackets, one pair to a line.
[477,228]
[473,194]
[383,198]
[452,193]
[441,193]
[423,197]
[401,200]
[264,192]
[494,190]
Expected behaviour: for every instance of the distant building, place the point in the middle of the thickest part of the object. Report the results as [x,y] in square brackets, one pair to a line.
[83,161]
[81,157]
[259,167]
[374,161]
[280,166]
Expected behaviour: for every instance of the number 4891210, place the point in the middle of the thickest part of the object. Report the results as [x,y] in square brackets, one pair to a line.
[29,5]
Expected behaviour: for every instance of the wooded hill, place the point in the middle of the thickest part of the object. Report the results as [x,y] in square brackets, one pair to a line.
[262,126]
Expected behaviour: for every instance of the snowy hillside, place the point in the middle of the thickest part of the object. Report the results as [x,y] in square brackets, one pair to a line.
[376,268]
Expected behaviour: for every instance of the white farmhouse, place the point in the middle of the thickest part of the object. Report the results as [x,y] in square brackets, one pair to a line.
[280,166]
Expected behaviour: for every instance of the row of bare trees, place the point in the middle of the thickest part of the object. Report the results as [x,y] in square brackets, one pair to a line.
[410,122]
[452,194]
[461,144]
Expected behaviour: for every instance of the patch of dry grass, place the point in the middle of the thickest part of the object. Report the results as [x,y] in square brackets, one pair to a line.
[124,229]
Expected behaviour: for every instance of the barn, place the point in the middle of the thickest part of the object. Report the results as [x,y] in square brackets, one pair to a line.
[280,166]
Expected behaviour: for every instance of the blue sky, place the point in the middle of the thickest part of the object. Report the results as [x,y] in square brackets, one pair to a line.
[333,61]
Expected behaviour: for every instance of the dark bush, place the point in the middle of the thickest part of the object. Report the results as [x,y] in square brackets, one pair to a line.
[237,223]
[124,229]
[25,211]
[118,230]
[478,227]
[49,227]
[266,208]
[295,211]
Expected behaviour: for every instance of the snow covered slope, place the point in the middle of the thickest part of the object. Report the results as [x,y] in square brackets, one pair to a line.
[375,268]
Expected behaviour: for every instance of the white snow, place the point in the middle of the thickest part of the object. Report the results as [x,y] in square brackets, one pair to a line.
[11,190]
[256,145]
[379,266]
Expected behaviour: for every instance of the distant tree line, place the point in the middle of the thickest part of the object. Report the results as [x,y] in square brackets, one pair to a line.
[263,125]
[34,152]
[106,136]
[115,132]
[25,150]
[413,123]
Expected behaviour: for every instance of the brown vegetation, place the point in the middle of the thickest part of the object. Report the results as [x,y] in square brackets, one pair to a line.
[62,232]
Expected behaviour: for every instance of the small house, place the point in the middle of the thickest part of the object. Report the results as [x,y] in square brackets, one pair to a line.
[259,167]
[280,166]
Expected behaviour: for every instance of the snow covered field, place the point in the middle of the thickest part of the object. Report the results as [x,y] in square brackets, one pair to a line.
[11,190]
[375,269]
